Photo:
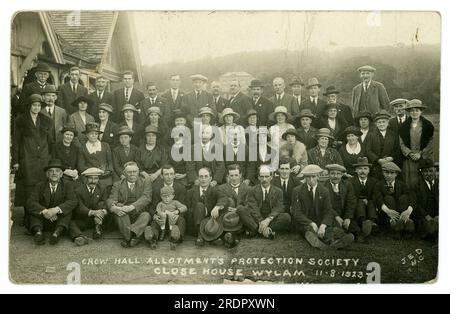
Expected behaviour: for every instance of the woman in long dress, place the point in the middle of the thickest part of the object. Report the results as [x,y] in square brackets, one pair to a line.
[352,148]
[281,117]
[81,118]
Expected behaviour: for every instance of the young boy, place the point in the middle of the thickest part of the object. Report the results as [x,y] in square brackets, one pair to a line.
[167,213]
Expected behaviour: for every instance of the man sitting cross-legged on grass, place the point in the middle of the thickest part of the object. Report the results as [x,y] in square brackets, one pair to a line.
[51,204]
[393,198]
[128,203]
[91,211]
[264,212]
[313,213]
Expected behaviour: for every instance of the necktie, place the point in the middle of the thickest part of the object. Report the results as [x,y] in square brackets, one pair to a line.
[74,88]
[52,195]
[430,183]
[127,98]
[311,193]
[127,151]
[285,186]
[315,101]
[49,112]
[216,100]
[266,196]
[366,86]
[255,101]
[197,95]
[203,196]
[53,190]
[174,95]
[132,188]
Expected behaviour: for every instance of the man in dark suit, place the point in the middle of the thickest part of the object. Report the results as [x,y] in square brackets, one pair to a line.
[313,102]
[200,200]
[296,86]
[125,152]
[154,100]
[91,211]
[399,106]
[57,114]
[239,102]
[42,74]
[206,154]
[395,202]
[100,96]
[126,95]
[369,95]
[364,187]
[286,182]
[306,132]
[198,98]
[313,213]
[344,111]
[71,91]
[219,102]
[128,204]
[427,200]
[263,106]
[382,144]
[50,205]
[281,98]
[174,95]
[264,212]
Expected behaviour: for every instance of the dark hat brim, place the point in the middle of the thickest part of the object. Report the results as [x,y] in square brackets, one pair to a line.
[75,132]
[208,237]
[285,135]
[46,168]
[332,92]
[238,227]
[80,99]
[362,165]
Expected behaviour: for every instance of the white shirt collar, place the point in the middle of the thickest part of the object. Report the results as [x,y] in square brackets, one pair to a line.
[169,185]
[131,184]
[314,98]
[280,95]
[383,133]
[314,188]
[53,186]
[266,189]
[363,181]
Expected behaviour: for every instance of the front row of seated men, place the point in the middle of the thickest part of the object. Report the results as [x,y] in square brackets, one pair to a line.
[330,214]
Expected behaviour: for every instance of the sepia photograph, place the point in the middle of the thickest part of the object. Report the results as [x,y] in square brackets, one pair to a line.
[224,147]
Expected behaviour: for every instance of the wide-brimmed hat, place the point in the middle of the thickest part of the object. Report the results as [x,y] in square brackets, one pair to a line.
[364,114]
[92,127]
[399,101]
[336,167]
[331,90]
[324,132]
[306,113]
[49,89]
[93,172]
[199,77]
[206,110]
[391,166]
[125,130]
[85,99]
[362,162]
[106,107]
[368,68]
[154,110]
[383,114]
[210,229]
[311,170]
[351,130]
[151,129]
[415,103]
[296,81]
[280,109]
[231,222]
[228,112]
[54,163]
[69,128]
[129,107]
[42,67]
[313,82]
[256,83]
[291,132]
[35,98]
[427,163]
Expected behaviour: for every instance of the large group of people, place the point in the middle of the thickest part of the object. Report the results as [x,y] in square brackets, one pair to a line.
[164,165]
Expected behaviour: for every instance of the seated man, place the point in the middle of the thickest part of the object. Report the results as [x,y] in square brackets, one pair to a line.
[427,198]
[91,211]
[343,201]
[200,200]
[128,202]
[231,196]
[264,211]
[50,205]
[313,213]
[286,181]
[364,186]
[393,199]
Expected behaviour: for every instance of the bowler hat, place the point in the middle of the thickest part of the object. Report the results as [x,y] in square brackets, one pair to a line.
[93,172]
[210,229]
[69,128]
[415,103]
[280,109]
[296,81]
[106,107]
[367,68]
[426,163]
[383,114]
[231,222]
[85,99]
[331,90]
[313,82]
[129,107]
[311,170]
[49,89]
[291,132]
[390,166]
[92,127]
[54,163]
[42,67]
[336,167]
[362,162]
[125,130]
[255,83]
[229,112]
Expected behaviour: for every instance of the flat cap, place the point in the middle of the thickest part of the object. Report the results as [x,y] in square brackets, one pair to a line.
[366,68]
[311,170]
[336,167]
[390,166]
[92,172]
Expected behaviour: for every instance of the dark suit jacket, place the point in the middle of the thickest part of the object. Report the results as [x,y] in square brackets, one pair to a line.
[341,125]
[378,98]
[69,157]
[422,194]
[40,198]
[217,167]
[193,198]
[264,107]
[162,104]
[221,104]
[28,90]
[180,194]
[119,194]
[191,106]
[378,148]
[255,200]
[292,184]
[88,202]
[226,192]
[346,113]
[120,159]
[173,105]
[66,96]
[107,98]
[151,162]
[370,186]
[59,118]
[348,199]
[303,209]
[318,110]
[287,101]
[381,191]
[248,168]
[241,104]
[296,105]
[110,134]
[308,138]
[119,101]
